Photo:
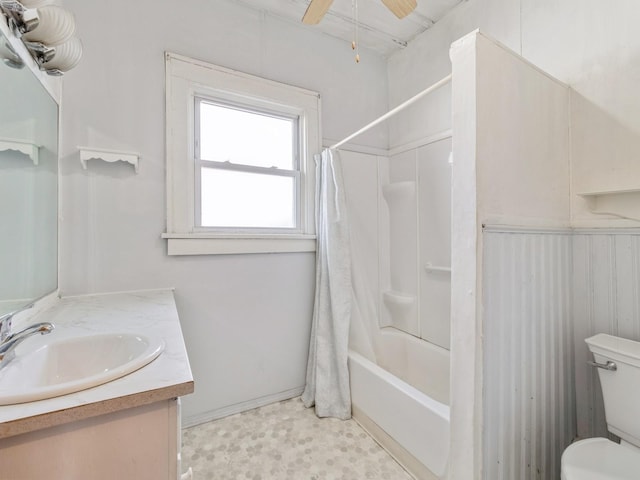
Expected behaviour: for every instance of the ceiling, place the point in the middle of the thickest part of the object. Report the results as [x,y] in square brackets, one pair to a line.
[379,29]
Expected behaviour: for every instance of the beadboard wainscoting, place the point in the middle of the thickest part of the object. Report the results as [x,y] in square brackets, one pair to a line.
[529,394]
[606,278]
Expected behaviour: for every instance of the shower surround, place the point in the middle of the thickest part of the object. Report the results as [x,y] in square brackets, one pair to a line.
[399,358]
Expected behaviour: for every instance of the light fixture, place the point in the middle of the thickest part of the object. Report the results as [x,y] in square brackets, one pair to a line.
[47,31]
[35,3]
[55,26]
[66,56]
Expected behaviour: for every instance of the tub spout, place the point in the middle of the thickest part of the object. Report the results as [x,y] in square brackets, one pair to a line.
[9,344]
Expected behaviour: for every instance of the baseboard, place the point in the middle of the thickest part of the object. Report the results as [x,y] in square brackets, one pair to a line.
[210,415]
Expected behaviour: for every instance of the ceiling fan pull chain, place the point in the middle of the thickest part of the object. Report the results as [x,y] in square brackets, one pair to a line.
[353,19]
[355,45]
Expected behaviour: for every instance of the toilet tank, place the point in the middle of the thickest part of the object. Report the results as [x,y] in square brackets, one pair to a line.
[620,388]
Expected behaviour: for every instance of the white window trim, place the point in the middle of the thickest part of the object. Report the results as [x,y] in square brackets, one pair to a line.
[187,78]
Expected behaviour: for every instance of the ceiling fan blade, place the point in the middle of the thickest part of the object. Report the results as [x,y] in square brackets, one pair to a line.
[315,11]
[401,8]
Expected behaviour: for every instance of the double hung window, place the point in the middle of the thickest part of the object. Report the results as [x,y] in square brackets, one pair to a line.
[247,168]
[240,170]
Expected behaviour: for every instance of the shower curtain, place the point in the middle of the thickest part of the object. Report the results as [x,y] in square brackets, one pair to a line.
[327,383]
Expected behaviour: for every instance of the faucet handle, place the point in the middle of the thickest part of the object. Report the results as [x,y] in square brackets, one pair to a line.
[5,325]
[5,320]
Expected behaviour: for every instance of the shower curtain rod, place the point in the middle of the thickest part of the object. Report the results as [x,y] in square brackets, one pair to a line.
[392,112]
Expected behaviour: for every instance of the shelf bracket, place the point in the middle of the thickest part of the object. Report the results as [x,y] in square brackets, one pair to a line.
[109,156]
[29,149]
[621,203]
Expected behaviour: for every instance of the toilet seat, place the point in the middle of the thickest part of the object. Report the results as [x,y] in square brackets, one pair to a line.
[600,459]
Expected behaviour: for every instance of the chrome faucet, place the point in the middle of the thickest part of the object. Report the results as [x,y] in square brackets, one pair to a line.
[5,321]
[9,341]
[8,346]
[5,326]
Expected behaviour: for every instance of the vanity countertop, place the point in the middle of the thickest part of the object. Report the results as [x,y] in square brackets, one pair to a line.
[150,312]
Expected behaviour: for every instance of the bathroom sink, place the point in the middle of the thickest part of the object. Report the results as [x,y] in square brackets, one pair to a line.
[73,364]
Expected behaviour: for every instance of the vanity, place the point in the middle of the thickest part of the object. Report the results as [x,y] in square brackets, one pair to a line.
[126,428]
[120,357]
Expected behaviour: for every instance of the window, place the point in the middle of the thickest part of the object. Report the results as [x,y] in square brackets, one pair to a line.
[247,172]
[240,178]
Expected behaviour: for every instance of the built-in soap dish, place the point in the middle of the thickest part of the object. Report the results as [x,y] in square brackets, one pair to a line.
[398,191]
[400,306]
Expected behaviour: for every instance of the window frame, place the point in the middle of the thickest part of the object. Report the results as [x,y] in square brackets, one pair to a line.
[188,79]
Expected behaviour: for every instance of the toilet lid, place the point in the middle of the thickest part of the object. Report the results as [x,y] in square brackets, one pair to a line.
[600,459]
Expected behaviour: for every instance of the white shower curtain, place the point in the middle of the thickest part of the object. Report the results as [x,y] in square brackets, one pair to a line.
[327,374]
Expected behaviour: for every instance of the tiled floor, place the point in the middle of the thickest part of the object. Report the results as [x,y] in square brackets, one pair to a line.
[285,441]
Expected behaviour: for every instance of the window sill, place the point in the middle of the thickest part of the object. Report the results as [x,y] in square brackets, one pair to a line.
[211,244]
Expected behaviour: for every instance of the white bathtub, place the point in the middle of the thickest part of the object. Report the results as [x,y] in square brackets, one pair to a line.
[401,418]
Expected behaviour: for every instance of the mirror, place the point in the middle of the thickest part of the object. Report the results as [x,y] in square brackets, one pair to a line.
[28,185]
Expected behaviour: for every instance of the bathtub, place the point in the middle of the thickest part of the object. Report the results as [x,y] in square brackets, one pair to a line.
[411,425]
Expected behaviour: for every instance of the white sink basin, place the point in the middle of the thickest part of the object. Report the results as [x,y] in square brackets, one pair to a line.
[74,364]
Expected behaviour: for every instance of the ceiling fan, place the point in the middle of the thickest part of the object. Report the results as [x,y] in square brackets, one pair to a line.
[317,9]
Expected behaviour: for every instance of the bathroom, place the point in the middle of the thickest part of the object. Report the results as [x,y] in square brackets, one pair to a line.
[246,318]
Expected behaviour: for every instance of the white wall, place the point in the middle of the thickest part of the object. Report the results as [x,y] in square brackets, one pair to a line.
[246,319]
[594,47]
[522,143]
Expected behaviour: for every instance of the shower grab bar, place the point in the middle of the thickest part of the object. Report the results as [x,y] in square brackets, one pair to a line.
[433,268]
[392,112]
[611,366]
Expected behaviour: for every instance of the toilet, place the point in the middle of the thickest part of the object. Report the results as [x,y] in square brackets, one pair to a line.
[618,363]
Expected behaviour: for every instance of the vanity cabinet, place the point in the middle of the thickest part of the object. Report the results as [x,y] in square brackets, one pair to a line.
[126,429]
[137,443]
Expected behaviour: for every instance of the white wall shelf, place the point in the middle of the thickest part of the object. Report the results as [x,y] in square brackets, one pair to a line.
[110,156]
[29,149]
[609,192]
[623,203]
